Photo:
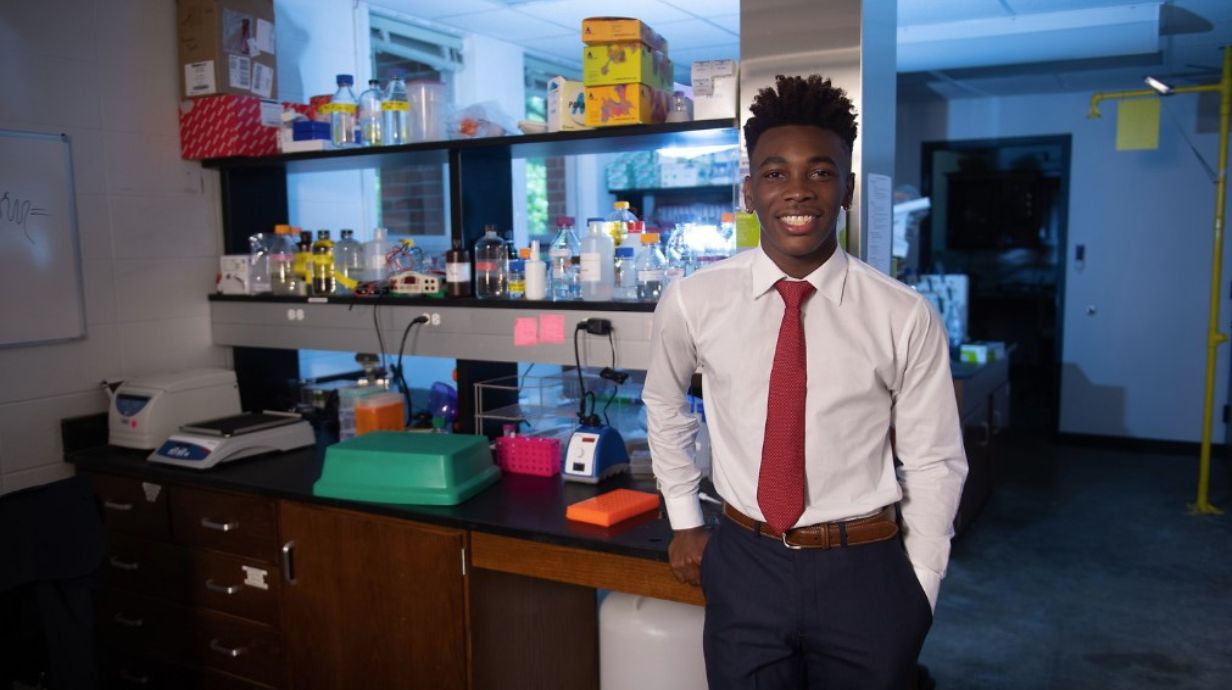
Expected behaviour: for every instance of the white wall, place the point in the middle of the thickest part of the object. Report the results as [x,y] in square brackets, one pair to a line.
[1135,368]
[105,72]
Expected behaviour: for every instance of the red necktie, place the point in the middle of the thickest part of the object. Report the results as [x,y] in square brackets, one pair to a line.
[780,483]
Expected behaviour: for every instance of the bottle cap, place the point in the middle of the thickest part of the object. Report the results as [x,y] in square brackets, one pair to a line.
[347,233]
[517,265]
[345,80]
[637,226]
[374,82]
[322,234]
[650,238]
[564,221]
[524,253]
[621,204]
[282,229]
[624,250]
[728,217]
[379,233]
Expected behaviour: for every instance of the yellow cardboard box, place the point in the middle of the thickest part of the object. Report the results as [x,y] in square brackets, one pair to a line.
[625,104]
[566,105]
[626,62]
[597,30]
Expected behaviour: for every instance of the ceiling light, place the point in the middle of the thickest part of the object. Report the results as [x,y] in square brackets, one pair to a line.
[1159,86]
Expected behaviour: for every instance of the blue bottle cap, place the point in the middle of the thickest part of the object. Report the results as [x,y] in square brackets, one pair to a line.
[624,251]
[516,265]
[345,80]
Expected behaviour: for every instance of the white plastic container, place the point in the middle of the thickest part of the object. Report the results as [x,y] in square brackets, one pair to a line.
[650,644]
[598,274]
[427,110]
[536,274]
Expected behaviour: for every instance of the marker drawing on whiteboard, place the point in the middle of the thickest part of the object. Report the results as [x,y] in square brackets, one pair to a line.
[16,211]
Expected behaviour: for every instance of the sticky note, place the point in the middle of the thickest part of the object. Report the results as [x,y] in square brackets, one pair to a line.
[525,331]
[1138,124]
[551,328]
[748,230]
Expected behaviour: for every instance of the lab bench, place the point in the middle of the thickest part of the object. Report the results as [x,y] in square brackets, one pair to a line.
[241,573]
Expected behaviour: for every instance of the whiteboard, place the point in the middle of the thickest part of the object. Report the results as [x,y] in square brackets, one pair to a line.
[40,260]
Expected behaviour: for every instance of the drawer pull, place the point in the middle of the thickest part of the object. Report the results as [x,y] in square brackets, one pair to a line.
[232,652]
[220,526]
[133,678]
[123,565]
[116,505]
[288,562]
[128,622]
[221,589]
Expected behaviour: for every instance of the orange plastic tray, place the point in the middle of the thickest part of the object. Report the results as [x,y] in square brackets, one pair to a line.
[612,507]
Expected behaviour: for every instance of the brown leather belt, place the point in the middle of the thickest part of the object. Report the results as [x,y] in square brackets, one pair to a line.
[825,535]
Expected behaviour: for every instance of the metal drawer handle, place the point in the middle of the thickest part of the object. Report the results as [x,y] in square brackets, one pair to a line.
[220,526]
[130,678]
[115,505]
[123,565]
[227,651]
[128,622]
[288,562]
[221,589]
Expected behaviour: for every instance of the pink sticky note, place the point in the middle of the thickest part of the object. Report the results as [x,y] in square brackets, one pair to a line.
[525,332]
[551,328]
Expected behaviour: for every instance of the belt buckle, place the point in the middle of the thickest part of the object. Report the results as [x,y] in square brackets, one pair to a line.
[793,547]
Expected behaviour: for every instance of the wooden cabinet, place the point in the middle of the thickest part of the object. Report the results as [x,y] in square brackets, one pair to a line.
[191,594]
[373,602]
[983,403]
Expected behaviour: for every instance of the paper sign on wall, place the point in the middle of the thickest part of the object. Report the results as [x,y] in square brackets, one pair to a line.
[525,331]
[1138,124]
[551,328]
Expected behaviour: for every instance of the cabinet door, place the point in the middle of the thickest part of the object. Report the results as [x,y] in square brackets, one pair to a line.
[977,439]
[372,602]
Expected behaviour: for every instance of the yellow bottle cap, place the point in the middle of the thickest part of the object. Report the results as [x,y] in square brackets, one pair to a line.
[650,238]
[621,204]
[524,252]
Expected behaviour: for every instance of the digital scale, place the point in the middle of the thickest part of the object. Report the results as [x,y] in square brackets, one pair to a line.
[595,453]
[202,445]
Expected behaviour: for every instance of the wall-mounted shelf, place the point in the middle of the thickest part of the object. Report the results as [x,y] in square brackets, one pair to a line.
[459,329]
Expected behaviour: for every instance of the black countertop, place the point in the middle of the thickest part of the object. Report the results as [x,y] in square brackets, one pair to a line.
[519,506]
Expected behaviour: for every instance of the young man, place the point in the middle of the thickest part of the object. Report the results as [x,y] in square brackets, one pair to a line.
[811,362]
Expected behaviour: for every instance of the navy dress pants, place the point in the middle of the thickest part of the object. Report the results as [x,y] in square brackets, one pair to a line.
[777,618]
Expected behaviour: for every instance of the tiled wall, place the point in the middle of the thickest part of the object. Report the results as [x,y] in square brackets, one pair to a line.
[104,72]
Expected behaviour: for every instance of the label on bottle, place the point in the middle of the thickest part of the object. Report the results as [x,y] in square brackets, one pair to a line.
[457,273]
[337,108]
[592,267]
[487,266]
[396,105]
[560,253]
[650,276]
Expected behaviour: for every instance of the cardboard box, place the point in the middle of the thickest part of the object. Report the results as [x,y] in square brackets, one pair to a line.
[598,30]
[226,47]
[566,105]
[625,104]
[221,126]
[715,84]
[626,62]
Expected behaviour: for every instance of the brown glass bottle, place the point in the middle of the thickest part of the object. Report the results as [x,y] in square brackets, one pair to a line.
[458,271]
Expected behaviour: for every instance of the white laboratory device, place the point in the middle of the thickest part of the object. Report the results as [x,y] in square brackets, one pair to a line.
[146,410]
[594,453]
[202,445]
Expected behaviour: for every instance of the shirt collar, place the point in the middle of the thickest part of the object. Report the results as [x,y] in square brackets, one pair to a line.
[828,278]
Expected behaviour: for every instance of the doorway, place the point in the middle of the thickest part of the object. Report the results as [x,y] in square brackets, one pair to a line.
[999,214]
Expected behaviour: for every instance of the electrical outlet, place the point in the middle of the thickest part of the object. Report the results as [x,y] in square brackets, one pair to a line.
[435,319]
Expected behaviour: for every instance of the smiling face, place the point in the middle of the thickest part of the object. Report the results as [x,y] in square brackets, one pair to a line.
[800,175]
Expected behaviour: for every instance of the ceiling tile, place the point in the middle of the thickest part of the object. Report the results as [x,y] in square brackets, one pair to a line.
[431,9]
[571,12]
[730,22]
[707,8]
[507,25]
[694,33]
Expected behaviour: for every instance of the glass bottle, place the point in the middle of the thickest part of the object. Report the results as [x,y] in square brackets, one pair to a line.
[283,278]
[371,116]
[342,111]
[650,267]
[323,264]
[564,273]
[375,250]
[303,259]
[491,261]
[517,279]
[597,274]
[396,110]
[348,263]
[620,217]
[458,271]
[624,275]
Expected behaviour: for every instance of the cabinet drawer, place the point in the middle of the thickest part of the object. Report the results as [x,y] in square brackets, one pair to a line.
[146,567]
[133,623]
[249,650]
[235,523]
[120,671]
[244,587]
[133,506]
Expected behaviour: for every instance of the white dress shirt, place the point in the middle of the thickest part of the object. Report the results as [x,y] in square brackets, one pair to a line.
[877,357]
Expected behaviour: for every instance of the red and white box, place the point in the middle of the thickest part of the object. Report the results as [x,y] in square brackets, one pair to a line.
[228,125]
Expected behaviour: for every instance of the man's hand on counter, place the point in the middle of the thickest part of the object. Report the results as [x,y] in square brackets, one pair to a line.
[685,554]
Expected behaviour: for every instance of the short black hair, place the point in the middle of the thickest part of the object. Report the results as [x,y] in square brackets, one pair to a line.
[811,100]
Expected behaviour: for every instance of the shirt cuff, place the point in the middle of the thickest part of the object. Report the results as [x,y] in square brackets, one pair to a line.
[684,512]
[930,582]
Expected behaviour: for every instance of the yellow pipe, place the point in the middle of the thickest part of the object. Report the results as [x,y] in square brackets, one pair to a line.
[1213,337]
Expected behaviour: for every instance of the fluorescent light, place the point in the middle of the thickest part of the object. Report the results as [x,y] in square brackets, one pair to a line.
[1159,86]
[1024,38]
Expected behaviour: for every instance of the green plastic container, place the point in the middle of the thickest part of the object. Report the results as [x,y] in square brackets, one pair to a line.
[407,467]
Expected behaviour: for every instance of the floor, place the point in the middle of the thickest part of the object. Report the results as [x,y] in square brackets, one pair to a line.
[1085,570]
